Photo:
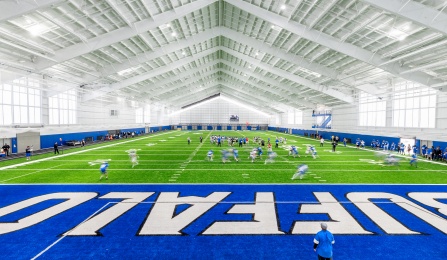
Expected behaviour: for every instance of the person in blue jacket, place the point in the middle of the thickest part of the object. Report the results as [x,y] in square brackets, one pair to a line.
[323,242]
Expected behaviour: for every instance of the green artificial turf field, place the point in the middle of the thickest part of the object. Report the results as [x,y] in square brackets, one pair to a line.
[167,158]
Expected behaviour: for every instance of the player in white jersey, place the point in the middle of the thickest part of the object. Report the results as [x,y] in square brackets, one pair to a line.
[300,172]
[210,155]
[133,157]
[391,160]
[253,155]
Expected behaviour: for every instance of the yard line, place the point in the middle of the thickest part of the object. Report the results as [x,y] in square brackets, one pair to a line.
[73,153]
[385,169]
[31,173]
[185,164]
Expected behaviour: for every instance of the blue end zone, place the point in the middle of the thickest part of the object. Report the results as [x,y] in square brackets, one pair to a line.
[121,239]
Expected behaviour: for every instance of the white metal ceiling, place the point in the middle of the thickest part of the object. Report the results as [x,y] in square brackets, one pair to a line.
[271,54]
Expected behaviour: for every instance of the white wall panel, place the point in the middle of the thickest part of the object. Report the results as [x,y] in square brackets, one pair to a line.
[218,112]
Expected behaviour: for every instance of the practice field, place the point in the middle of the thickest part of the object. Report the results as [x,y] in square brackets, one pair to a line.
[175,204]
[167,158]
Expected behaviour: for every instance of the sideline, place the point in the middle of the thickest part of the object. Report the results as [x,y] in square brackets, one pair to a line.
[78,152]
[368,149]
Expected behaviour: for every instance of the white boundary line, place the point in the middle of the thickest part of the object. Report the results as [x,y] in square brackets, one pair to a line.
[78,152]
[66,234]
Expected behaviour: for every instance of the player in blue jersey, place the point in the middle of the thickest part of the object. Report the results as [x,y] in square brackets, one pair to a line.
[423,150]
[210,155]
[225,156]
[393,146]
[103,170]
[293,151]
[313,151]
[415,149]
[414,160]
[235,154]
[260,152]
[270,157]
[301,171]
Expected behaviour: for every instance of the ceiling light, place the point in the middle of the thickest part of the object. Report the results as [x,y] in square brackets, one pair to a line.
[173,34]
[273,27]
[183,53]
[257,53]
[37,29]
[283,7]
[168,25]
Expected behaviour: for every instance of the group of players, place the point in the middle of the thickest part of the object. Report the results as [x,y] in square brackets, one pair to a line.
[133,160]
[257,152]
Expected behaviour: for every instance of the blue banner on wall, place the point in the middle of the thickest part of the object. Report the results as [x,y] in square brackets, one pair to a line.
[222,221]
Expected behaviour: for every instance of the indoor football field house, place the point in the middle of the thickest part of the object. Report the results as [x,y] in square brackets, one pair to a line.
[223,129]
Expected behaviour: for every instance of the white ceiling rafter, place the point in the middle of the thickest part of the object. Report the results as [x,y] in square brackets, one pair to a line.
[148,75]
[301,61]
[13,9]
[335,44]
[269,89]
[123,33]
[292,77]
[414,11]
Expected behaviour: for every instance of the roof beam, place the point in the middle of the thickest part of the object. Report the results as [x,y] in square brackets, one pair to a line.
[335,44]
[270,90]
[180,96]
[181,76]
[13,9]
[155,54]
[148,75]
[247,94]
[287,75]
[414,11]
[123,33]
[184,83]
[272,82]
[300,61]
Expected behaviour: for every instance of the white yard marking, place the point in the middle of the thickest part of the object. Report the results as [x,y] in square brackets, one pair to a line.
[99,161]
[185,163]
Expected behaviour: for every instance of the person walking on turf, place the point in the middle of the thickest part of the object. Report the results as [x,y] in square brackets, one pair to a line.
[323,242]
[28,153]
[56,149]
